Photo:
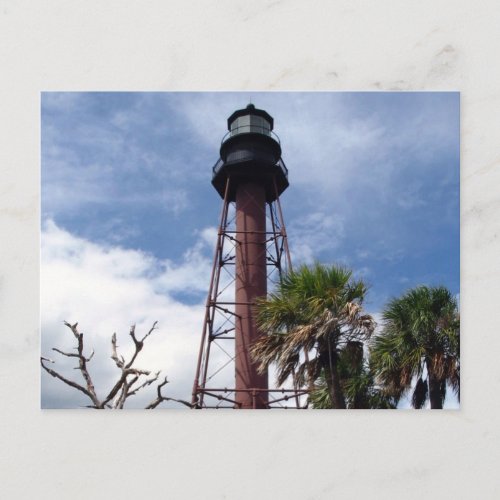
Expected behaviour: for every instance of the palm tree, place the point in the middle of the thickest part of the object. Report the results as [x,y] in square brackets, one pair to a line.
[420,340]
[357,382]
[317,311]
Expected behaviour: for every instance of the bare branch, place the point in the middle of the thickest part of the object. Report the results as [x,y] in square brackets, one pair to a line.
[137,371]
[147,382]
[131,383]
[139,344]
[114,354]
[150,331]
[125,386]
[70,355]
[115,389]
[126,368]
[89,390]
[160,398]
[134,338]
[83,362]
[120,401]
[65,380]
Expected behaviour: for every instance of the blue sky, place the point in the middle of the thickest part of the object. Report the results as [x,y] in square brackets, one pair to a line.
[129,213]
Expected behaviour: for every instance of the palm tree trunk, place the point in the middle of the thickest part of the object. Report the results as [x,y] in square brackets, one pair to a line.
[329,363]
[435,392]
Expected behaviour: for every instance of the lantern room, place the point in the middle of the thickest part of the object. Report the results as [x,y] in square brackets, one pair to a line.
[250,151]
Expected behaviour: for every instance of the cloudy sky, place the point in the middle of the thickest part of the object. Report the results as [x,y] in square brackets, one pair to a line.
[129,214]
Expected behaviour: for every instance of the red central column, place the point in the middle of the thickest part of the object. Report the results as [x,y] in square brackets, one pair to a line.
[251,283]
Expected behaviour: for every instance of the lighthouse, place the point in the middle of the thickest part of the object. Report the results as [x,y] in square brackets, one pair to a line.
[249,176]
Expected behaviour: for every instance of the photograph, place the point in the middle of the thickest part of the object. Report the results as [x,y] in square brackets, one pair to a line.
[250,250]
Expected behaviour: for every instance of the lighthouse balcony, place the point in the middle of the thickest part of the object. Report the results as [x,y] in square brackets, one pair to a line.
[279,165]
[274,176]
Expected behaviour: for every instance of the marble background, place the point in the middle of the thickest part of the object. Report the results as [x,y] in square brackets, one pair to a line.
[226,45]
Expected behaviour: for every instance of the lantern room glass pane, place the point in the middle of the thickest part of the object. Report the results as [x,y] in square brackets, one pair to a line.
[250,123]
[259,125]
[241,125]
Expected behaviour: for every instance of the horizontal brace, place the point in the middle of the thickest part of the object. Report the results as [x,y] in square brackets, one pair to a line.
[220,398]
[227,311]
[234,303]
[216,334]
[234,263]
[251,232]
[287,398]
[300,392]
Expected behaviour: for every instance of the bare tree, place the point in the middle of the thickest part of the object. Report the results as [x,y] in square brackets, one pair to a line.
[129,383]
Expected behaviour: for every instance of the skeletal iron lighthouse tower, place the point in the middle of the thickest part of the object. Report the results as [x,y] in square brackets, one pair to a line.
[251,251]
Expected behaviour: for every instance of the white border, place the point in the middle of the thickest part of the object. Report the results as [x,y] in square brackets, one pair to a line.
[224,45]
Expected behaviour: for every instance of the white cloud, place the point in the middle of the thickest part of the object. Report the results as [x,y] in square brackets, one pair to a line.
[312,233]
[108,288]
